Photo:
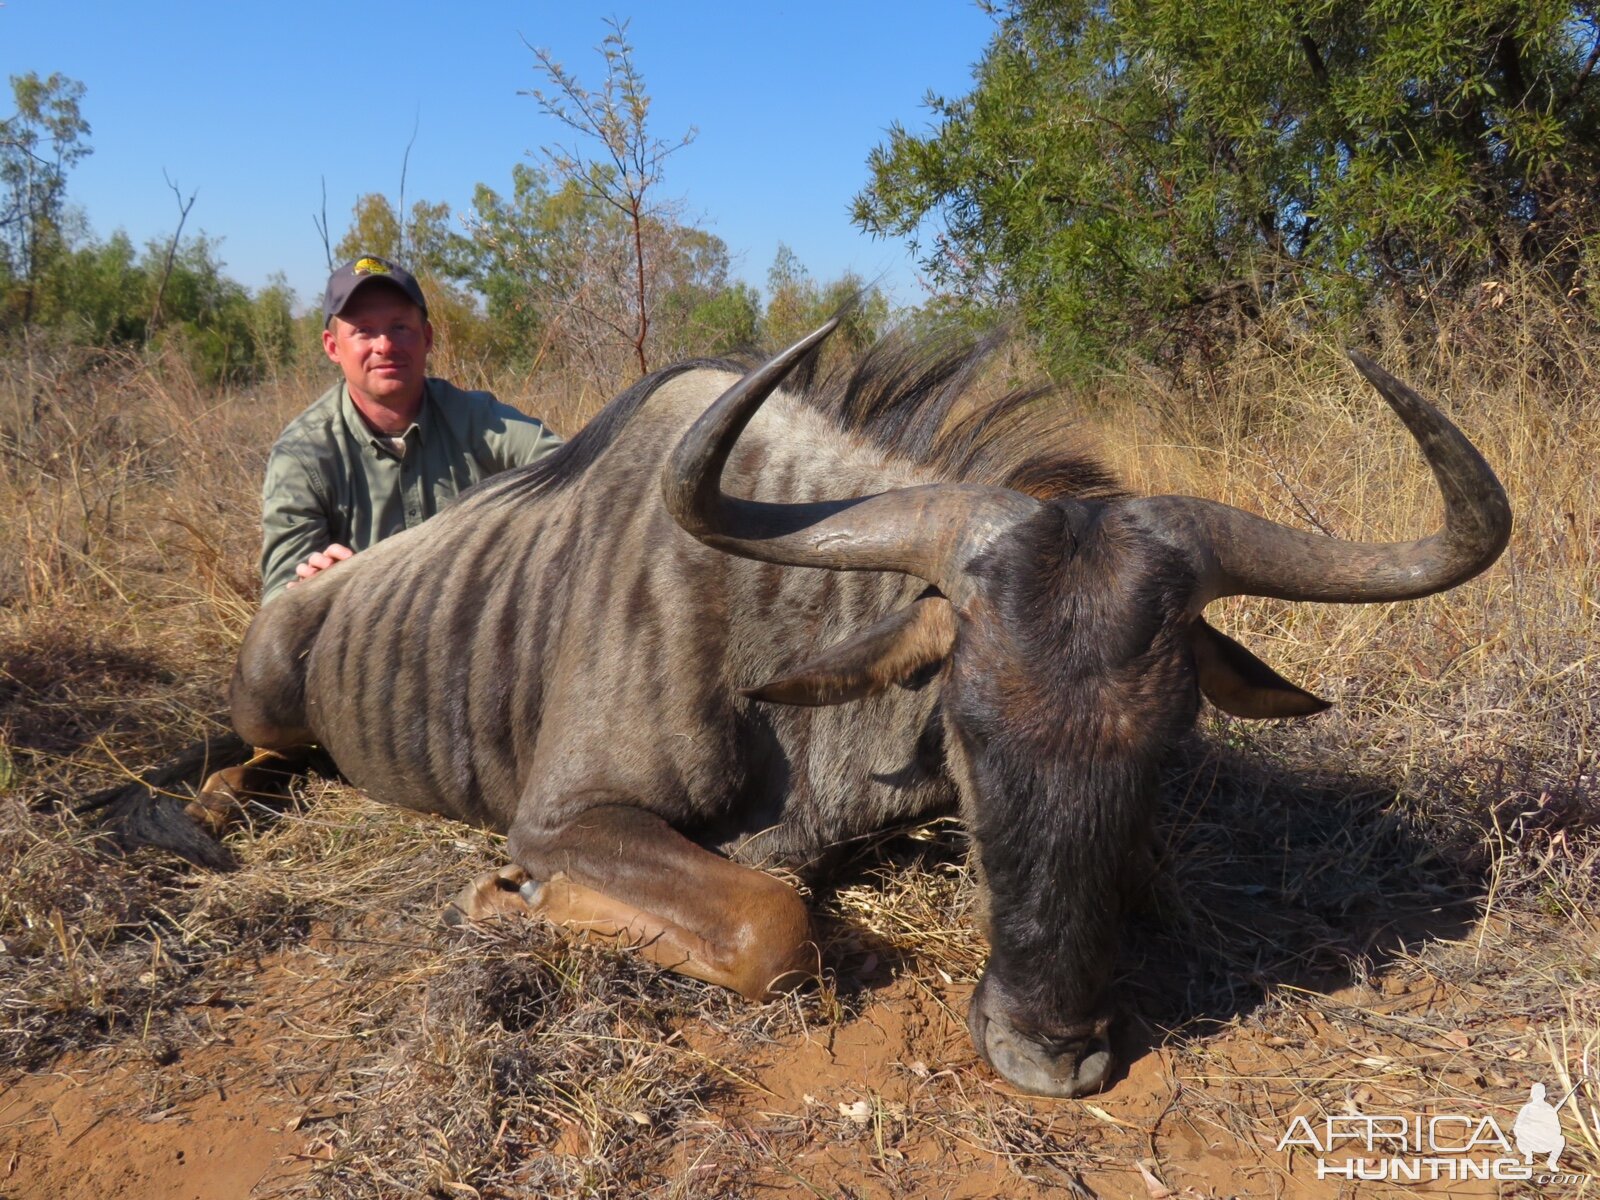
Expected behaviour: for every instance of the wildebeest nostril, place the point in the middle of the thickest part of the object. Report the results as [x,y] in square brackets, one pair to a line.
[1042,1066]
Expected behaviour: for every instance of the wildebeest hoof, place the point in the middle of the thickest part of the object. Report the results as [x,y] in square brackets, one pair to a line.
[211,812]
[1074,1067]
[507,892]
[217,805]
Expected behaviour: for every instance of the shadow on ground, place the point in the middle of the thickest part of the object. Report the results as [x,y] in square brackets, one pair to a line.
[1265,874]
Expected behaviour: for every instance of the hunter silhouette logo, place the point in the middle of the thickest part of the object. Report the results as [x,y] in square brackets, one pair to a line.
[1538,1129]
[1439,1146]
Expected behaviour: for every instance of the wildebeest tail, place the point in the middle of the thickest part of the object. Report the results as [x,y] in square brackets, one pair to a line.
[146,812]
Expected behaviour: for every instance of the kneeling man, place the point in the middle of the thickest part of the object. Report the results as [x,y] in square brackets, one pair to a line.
[386,447]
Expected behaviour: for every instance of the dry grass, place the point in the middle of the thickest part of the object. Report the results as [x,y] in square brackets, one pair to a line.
[1387,908]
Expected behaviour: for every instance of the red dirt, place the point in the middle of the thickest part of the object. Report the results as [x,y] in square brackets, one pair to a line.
[214,1123]
[868,1109]
[90,1131]
[890,1103]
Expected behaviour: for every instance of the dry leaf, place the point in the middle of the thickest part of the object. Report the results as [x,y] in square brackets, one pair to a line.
[1094,1110]
[1157,1189]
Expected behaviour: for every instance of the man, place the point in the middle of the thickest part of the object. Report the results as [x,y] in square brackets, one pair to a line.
[383,450]
[387,447]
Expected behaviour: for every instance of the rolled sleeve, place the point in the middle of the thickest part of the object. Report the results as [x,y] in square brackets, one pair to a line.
[294,520]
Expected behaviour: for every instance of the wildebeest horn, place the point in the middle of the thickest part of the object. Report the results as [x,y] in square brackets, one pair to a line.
[1246,555]
[929,531]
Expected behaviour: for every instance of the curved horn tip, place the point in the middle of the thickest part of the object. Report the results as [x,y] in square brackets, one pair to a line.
[1407,402]
[1373,372]
[1386,383]
[814,338]
[759,382]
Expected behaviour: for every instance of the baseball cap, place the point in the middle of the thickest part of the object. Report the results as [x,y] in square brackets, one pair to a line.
[357,273]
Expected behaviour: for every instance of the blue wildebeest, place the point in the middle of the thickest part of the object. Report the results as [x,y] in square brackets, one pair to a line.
[566,656]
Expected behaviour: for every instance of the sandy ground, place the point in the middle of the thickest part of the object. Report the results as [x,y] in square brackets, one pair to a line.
[889,1102]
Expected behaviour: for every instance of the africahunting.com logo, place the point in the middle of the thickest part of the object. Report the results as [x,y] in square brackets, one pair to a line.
[1440,1146]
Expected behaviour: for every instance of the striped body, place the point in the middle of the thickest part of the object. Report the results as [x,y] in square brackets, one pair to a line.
[520,654]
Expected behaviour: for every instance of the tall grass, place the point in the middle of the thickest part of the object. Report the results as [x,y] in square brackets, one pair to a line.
[1494,685]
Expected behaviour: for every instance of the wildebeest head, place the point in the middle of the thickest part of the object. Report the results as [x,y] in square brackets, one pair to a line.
[1075,653]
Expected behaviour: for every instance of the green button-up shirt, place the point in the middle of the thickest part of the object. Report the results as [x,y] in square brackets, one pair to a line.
[331,479]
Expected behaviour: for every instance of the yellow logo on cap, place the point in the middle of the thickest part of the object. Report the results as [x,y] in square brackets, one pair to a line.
[370,266]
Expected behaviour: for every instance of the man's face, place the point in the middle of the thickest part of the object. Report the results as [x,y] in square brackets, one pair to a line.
[381,343]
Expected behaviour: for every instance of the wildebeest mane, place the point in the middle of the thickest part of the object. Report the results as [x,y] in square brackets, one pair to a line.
[924,399]
[920,398]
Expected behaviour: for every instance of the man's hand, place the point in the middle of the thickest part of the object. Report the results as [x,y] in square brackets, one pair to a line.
[320,562]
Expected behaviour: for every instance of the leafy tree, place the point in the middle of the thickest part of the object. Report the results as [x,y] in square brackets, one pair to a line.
[558,273]
[271,323]
[797,304]
[39,144]
[428,248]
[103,293]
[1154,175]
[374,229]
[229,335]
[539,258]
[792,299]
[512,239]
[98,293]
[724,321]
[698,311]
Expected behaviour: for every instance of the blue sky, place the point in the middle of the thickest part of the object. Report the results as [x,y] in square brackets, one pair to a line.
[255,104]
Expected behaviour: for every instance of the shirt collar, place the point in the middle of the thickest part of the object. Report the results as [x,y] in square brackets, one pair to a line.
[416,433]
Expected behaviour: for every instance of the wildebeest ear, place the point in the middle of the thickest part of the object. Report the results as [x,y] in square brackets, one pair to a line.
[893,650]
[1238,682]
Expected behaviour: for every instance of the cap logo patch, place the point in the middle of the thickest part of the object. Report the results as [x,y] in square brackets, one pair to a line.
[370,266]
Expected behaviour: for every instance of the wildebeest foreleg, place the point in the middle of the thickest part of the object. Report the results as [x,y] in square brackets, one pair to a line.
[621,872]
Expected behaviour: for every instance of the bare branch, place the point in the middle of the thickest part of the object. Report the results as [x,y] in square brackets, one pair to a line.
[172,254]
[400,208]
[1583,75]
[628,164]
[322,225]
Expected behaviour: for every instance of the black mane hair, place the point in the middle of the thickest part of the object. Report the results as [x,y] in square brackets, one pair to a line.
[921,398]
[566,465]
[914,397]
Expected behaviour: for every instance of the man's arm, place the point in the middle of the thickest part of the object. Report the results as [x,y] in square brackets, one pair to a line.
[294,523]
